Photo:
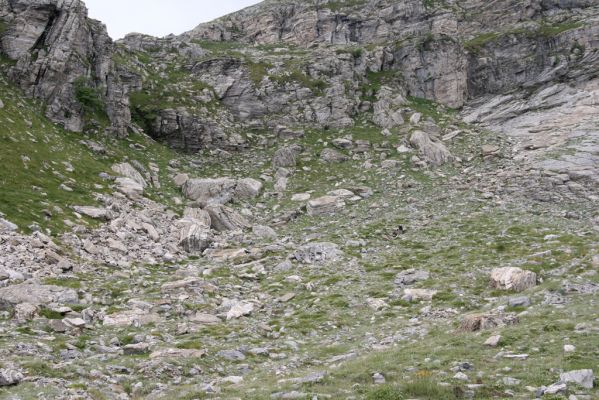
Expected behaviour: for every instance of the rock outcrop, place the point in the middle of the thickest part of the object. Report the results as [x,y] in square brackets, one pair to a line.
[65,59]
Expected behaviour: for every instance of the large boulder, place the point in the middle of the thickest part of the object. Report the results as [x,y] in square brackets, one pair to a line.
[247,188]
[210,191]
[513,278]
[128,171]
[195,238]
[226,219]
[434,152]
[581,377]
[36,294]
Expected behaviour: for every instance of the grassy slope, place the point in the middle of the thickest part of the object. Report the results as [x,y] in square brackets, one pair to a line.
[37,155]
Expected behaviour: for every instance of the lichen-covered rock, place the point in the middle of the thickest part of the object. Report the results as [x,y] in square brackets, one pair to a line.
[286,156]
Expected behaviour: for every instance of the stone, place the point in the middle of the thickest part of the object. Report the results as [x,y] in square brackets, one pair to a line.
[126,170]
[7,226]
[135,317]
[180,179]
[300,197]
[555,388]
[25,312]
[286,156]
[264,232]
[231,355]
[418,294]
[513,278]
[224,218]
[210,191]
[136,349]
[434,152]
[583,378]
[94,212]
[198,216]
[317,252]
[177,353]
[410,276]
[195,238]
[130,188]
[568,348]
[332,156]
[205,319]
[378,378]
[460,376]
[10,377]
[493,341]
[239,310]
[36,294]
[151,231]
[519,301]
[74,322]
[247,189]
[489,150]
[477,322]
[325,205]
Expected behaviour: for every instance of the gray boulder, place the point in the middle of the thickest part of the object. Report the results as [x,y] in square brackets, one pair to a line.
[195,238]
[582,377]
[247,188]
[36,294]
[210,191]
[434,152]
[226,219]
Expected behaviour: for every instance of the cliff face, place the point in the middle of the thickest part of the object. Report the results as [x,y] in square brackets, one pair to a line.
[65,59]
[317,63]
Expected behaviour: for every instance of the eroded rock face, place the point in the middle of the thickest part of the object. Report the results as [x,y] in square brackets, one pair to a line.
[58,51]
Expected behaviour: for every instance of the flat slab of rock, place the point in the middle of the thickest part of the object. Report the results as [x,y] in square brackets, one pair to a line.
[325,205]
[94,212]
[36,294]
[178,353]
[513,278]
[131,318]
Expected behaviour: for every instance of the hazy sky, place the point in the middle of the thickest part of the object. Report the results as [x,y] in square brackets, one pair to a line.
[159,17]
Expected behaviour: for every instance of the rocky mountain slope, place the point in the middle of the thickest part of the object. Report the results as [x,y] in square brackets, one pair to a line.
[359,199]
